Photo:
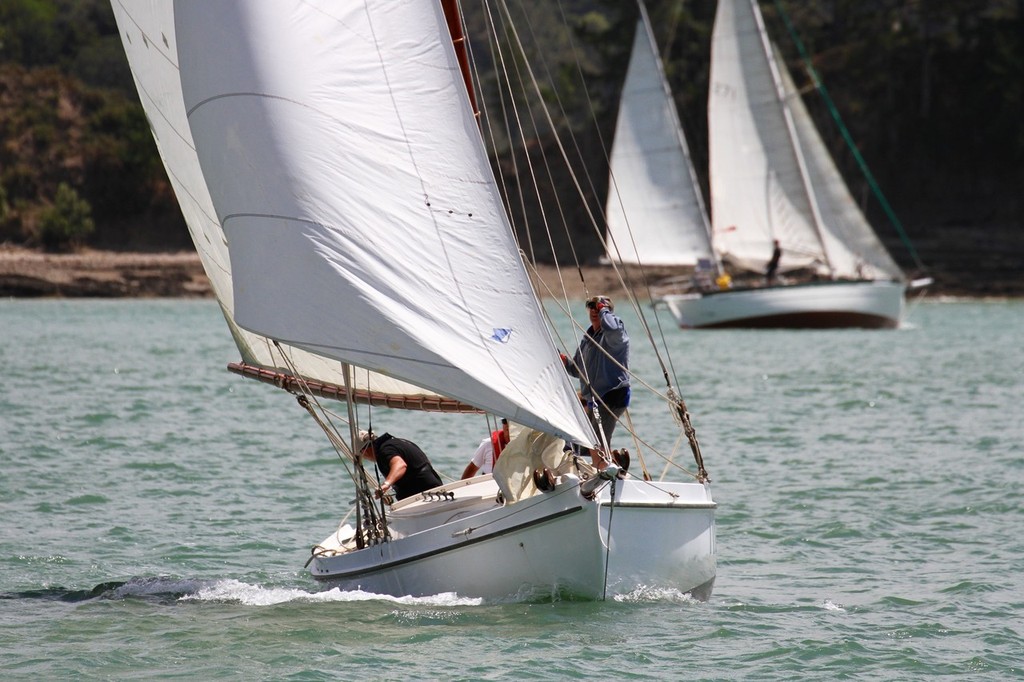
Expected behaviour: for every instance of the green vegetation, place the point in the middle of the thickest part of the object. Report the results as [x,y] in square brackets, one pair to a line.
[933,93]
[67,223]
[74,134]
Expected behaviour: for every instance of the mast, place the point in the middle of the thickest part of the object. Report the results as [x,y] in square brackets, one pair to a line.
[451,15]
[780,93]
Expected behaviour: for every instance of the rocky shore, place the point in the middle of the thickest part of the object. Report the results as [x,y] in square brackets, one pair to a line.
[25,273]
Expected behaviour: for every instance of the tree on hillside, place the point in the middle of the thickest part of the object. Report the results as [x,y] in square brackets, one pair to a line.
[67,223]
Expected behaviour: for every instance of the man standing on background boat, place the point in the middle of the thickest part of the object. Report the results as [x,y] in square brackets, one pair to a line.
[773,264]
[602,365]
[403,464]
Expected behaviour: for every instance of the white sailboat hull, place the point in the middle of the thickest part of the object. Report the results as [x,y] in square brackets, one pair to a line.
[662,536]
[820,305]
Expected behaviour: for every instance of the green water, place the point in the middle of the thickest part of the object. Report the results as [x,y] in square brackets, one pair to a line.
[157,511]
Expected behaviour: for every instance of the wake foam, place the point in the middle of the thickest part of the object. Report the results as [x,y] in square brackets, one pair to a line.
[654,594]
[257,595]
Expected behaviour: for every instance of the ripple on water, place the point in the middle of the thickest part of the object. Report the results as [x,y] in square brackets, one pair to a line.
[868,523]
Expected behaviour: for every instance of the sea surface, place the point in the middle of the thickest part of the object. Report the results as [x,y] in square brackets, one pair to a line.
[156,512]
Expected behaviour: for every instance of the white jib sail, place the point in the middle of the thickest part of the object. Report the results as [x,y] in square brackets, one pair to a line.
[655,212]
[363,222]
[853,247]
[148,35]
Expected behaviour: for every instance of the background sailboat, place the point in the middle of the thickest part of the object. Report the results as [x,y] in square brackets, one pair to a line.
[772,178]
[333,175]
[771,175]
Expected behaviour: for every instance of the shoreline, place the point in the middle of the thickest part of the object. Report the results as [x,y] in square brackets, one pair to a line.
[91,273]
[27,273]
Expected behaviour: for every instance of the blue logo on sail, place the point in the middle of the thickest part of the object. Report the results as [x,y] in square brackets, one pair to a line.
[501,335]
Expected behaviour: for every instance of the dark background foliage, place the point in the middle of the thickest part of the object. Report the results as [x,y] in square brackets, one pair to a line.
[932,92]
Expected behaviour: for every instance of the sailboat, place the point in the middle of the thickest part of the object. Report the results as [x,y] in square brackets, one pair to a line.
[328,162]
[771,180]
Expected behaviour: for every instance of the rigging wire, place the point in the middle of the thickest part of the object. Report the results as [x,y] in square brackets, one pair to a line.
[623,279]
[679,409]
[670,375]
[670,397]
[375,528]
[498,58]
[508,26]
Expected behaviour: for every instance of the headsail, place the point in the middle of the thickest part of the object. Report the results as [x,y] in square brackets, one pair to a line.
[149,38]
[652,179]
[771,175]
[343,161]
[854,249]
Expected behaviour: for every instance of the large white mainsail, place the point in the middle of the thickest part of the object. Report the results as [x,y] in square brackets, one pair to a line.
[652,179]
[343,161]
[771,175]
[758,192]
